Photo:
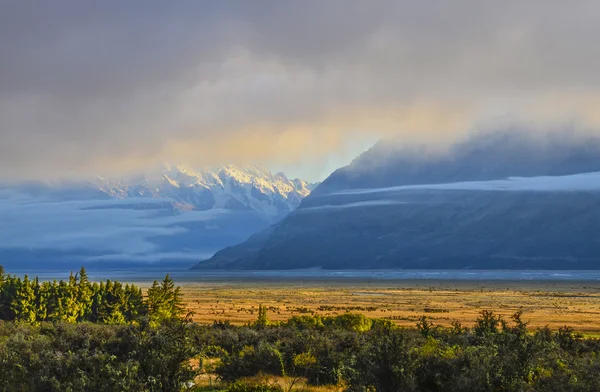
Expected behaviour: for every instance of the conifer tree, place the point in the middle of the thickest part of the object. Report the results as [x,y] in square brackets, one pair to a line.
[84,295]
[263,318]
[68,307]
[40,301]
[116,304]
[165,301]
[4,296]
[53,305]
[24,302]
[135,306]
[97,302]
[104,311]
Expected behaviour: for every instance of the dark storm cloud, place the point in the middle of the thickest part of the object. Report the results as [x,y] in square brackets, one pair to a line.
[92,86]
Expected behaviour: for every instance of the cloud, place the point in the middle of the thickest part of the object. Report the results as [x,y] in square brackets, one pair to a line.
[111,86]
[585,182]
[370,203]
[101,226]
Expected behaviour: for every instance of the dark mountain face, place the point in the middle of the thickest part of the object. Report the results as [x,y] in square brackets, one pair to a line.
[488,157]
[394,208]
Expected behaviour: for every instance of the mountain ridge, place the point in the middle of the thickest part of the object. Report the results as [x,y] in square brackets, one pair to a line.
[223,187]
[505,201]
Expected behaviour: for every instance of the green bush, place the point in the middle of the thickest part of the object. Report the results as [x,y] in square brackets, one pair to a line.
[95,357]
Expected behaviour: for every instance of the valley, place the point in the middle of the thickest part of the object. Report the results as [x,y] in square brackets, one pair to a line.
[553,304]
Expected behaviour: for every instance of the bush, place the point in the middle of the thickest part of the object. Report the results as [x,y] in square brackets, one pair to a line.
[94,357]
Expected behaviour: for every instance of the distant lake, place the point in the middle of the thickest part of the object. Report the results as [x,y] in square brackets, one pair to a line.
[220,276]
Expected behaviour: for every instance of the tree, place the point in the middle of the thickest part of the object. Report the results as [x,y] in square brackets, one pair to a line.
[263,318]
[52,302]
[40,301]
[164,354]
[68,305]
[487,323]
[134,300]
[7,292]
[97,302]
[164,301]
[108,303]
[24,302]
[84,295]
[114,299]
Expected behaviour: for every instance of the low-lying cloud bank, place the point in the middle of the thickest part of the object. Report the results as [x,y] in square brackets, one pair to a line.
[102,229]
[570,183]
[370,203]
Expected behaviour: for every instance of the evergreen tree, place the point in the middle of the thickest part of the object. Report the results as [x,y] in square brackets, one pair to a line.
[40,301]
[155,302]
[6,295]
[84,295]
[24,303]
[115,299]
[135,306]
[104,311]
[52,293]
[165,301]
[97,302]
[68,308]
[263,318]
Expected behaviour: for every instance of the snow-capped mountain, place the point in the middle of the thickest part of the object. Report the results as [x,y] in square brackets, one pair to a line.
[174,214]
[227,187]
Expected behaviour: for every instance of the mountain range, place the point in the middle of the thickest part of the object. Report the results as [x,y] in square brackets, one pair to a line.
[499,200]
[173,215]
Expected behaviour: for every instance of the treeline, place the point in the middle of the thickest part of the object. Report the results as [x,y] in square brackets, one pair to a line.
[79,300]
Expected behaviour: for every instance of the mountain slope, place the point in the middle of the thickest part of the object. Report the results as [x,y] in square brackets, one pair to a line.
[501,201]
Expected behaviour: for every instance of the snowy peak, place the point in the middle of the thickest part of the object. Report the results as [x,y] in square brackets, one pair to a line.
[232,187]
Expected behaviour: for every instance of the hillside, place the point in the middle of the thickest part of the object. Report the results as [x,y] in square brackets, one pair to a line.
[502,201]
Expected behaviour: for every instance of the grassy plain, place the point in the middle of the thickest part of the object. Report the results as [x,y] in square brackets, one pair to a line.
[544,303]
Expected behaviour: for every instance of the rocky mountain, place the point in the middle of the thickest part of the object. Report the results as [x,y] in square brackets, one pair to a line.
[502,200]
[231,187]
[173,214]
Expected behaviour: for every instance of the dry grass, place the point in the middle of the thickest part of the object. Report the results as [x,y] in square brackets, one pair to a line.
[286,383]
[544,304]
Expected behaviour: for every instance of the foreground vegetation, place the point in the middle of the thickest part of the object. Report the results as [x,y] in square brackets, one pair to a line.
[345,352]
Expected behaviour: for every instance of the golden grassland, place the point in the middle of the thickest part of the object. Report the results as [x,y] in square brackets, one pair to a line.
[552,304]
[211,383]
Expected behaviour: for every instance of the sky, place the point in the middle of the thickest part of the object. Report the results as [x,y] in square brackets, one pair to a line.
[111,87]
